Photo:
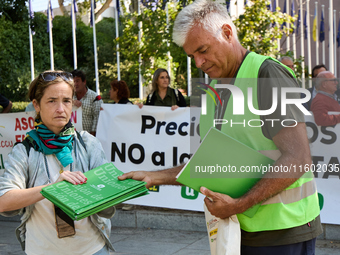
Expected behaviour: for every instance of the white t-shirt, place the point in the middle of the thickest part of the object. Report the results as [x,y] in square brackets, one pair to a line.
[41,233]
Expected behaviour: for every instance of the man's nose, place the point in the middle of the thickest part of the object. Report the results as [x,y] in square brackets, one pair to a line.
[199,61]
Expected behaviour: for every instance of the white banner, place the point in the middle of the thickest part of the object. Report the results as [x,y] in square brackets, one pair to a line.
[151,138]
[324,146]
[14,126]
[154,138]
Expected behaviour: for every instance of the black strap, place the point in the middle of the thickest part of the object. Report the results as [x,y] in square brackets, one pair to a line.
[28,145]
[81,140]
[176,95]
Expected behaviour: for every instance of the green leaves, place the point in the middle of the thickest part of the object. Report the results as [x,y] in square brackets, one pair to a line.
[258,27]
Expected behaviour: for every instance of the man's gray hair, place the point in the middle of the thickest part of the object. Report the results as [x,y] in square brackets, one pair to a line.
[208,14]
[285,57]
[320,78]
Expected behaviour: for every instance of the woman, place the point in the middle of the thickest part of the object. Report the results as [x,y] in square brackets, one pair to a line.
[51,153]
[119,92]
[162,94]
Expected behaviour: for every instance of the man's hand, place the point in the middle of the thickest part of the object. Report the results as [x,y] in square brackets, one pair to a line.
[162,177]
[77,103]
[220,205]
[139,176]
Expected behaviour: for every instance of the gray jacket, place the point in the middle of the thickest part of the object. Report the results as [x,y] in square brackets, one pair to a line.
[23,171]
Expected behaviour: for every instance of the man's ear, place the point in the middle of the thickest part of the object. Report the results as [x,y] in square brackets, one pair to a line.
[227,31]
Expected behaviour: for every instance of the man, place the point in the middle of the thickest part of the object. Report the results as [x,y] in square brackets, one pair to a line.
[6,104]
[324,101]
[88,100]
[318,69]
[288,220]
[287,61]
[315,71]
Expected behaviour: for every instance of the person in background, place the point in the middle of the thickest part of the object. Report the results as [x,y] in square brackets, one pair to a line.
[324,101]
[287,61]
[162,94]
[119,92]
[318,69]
[6,104]
[88,100]
[51,153]
[29,107]
[315,71]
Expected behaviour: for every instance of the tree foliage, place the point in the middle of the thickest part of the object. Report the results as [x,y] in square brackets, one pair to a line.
[258,27]
[155,42]
[15,53]
[257,30]
[84,7]
[14,10]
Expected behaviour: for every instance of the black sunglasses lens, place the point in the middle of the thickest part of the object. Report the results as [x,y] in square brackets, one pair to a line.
[67,76]
[48,77]
[53,76]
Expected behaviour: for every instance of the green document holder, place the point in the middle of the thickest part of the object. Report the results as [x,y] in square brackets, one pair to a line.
[102,190]
[220,149]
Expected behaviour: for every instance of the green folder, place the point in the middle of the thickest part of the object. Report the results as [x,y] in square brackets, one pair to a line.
[102,190]
[220,150]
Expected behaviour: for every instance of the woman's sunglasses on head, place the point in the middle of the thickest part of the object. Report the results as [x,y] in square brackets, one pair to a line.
[51,76]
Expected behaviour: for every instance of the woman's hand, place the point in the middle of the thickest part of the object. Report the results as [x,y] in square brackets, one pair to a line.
[140,105]
[174,107]
[72,177]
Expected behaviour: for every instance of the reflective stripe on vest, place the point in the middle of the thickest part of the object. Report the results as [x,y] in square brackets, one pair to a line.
[293,195]
[273,154]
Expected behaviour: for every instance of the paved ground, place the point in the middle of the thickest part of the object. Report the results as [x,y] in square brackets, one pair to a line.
[137,241]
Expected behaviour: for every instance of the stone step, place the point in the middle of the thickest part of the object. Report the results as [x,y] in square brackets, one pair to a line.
[172,219]
[159,218]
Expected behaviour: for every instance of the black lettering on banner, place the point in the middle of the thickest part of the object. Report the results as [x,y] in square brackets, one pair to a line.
[160,161]
[121,153]
[142,153]
[180,129]
[192,126]
[183,156]
[316,160]
[159,125]
[171,126]
[2,162]
[330,133]
[333,160]
[315,131]
[198,129]
[145,126]
[174,156]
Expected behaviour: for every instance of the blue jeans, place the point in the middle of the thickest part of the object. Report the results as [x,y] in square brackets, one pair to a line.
[303,248]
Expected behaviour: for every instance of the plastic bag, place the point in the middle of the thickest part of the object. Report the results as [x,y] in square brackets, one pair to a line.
[224,234]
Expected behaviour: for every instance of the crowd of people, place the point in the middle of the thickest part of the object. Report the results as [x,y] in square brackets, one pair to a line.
[288,218]
[325,94]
